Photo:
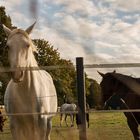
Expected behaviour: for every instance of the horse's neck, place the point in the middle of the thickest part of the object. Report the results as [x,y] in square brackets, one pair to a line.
[29,75]
[31,61]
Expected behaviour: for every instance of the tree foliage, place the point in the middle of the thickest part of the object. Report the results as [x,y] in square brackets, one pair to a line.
[94,98]
[6,20]
[4,78]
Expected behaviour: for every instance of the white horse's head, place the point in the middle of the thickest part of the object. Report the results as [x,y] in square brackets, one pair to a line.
[20,48]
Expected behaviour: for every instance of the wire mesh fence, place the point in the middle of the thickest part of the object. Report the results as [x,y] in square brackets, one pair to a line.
[99,119]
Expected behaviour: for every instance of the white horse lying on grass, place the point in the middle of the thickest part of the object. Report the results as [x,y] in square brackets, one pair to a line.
[28,91]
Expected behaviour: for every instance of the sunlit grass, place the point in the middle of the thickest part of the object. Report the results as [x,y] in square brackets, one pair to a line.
[103,126]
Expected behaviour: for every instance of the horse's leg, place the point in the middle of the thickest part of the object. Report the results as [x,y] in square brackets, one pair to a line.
[18,133]
[72,120]
[66,120]
[133,125]
[61,119]
[13,131]
[134,128]
[49,127]
[87,118]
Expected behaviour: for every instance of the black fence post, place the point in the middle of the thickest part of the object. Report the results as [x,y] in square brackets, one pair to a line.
[81,98]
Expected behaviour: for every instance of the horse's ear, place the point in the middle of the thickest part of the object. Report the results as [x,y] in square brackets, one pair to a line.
[6,30]
[29,29]
[114,71]
[101,74]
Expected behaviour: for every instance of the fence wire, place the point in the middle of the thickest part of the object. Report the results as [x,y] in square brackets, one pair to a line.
[69,112]
[9,69]
[117,65]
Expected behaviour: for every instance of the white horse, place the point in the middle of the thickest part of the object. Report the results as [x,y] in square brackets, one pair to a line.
[28,91]
[68,110]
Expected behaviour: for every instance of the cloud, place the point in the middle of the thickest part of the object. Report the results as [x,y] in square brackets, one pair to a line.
[124,5]
[10,4]
[85,8]
[19,11]
[67,48]
[105,31]
[128,5]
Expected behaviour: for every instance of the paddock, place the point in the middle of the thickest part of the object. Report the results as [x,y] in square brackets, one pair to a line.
[103,32]
[104,124]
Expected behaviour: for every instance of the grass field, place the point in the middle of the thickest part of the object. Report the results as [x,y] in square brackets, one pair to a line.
[103,126]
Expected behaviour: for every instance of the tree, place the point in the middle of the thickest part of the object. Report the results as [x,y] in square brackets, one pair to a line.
[6,20]
[46,55]
[94,98]
[4,78]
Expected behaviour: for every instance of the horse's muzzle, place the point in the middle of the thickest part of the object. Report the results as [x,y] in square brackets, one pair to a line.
[17,76]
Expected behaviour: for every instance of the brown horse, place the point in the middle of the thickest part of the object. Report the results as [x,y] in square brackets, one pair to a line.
[122,91]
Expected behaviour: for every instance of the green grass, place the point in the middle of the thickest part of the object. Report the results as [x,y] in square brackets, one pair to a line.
[103,126]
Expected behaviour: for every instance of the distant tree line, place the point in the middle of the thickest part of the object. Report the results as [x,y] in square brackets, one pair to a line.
[64,79]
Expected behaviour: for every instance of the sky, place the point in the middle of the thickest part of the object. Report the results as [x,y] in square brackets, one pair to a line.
[100,31]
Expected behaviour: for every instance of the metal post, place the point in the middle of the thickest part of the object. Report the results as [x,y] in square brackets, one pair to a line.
[81,97]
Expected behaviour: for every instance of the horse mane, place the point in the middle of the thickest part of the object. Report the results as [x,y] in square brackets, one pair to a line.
[130,82]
